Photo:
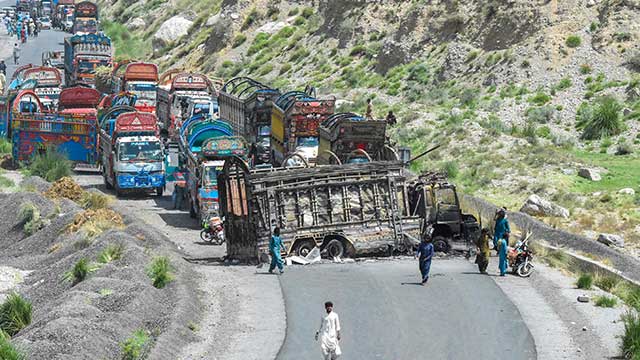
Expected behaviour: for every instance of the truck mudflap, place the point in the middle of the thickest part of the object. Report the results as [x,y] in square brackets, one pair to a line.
[141,181]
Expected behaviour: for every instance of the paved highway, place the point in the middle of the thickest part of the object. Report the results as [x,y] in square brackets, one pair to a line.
[386,314]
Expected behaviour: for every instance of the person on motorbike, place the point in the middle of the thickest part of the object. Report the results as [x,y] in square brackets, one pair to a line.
[483,254]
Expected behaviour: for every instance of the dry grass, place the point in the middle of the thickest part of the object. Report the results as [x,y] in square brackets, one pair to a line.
[95,222]
[95,201]
[65,188]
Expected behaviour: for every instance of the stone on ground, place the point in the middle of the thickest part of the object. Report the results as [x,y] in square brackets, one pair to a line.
[171,30]
[591,174]
[611,239]
[537,206]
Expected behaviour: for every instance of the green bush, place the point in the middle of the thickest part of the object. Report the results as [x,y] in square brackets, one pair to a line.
[606,283]
[307,12]
[238,40]
[451,169]
[631,336]
[299,55]
[5,146]
[135,346]
[603,120]
[293,11]
[585,69]
[543,132]
[358,50]
[251,18]
[15,314]
[540,114]
[7,350]
[573,41]
[472,55]
[111,253]
[540,98]
[299,21]
[160,271]
[50,166]
[585,281]
[78,272]
[29,216]
[285,68]
[564,83]
[606,301]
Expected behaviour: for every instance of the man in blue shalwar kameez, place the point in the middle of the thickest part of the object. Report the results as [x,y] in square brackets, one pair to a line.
[502,228]
[424,255]
[275,244]
[503,247]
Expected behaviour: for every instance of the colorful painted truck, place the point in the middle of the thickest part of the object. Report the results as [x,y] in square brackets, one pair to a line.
[71,131]
[132,155]
[246,104]
[174,91]
[140,79]
[350,138]
[85,20]
[82,55]
[48,84]
[295,119]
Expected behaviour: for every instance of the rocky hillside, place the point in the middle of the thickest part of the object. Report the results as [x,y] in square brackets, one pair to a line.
[522,93]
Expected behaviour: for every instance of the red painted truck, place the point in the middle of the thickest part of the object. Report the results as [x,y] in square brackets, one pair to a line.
[140,79]
[48,84]
[173,95]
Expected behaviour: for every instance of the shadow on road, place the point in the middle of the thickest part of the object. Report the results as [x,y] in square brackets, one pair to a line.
[180,220]
[213,261]
[411,283]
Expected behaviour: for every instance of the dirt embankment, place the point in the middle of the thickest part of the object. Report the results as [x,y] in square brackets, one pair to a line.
[91,319]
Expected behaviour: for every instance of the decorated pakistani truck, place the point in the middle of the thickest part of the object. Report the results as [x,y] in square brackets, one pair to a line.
[72,130]
[139,79]
[295,119]
[204,145]
[246,104]
[82,55]
[174,92]
[48,84]
[132,154]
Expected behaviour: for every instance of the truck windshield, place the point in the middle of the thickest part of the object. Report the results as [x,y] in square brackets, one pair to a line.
[140,151]
[86,67]
[210,176]
[309,141]
[146,92]
[87,26]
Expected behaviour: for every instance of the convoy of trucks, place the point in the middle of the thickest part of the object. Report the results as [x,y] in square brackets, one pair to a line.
[82,55]
[48,84]
[295,119]
[132,154]
[139,79]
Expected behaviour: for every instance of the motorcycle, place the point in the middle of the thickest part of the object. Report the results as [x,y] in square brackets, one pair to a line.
[212,231]
[521,258]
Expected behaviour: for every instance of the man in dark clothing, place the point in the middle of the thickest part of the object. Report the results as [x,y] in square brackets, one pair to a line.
[391,119]
[3,68]
[425,254]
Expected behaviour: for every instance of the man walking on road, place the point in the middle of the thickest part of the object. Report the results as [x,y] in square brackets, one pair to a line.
[275,245]
[3,68]
[482,257]
[16,53]
[329,333]
[425,254]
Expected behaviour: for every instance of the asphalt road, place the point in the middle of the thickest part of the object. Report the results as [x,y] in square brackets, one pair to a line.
[32,50]
[386,314]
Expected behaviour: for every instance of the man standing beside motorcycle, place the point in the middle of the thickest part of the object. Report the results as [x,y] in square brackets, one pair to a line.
[502,227]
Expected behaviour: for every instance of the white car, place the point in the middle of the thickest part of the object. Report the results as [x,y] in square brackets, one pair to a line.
[45,23]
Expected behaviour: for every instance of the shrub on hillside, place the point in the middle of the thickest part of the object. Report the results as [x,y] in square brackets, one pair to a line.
[585,69]
[7,350]
[160,272]
[50,166]
[134,347]
[573,41]
[585,281]
[603,119]
[251,19]
[631,336]
[15,314]
[540,98]
[111,253]
[30,218]
[238,40]
[78,272]
[541,114]
[605,301]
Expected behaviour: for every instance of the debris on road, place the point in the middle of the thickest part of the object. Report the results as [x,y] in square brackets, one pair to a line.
[584,299]
[65,188]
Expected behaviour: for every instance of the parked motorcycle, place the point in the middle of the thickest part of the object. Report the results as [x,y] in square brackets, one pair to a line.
[521,258]
[212,231]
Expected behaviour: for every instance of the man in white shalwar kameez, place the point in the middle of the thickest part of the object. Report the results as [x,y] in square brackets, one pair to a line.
[329,333]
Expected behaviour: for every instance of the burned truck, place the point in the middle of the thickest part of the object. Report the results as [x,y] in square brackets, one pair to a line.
[345,210]
[247,104]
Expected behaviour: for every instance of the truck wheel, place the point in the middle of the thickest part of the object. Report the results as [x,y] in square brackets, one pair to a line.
[440,244]
[159,191]
[335,248]
[304,247]
[106,182]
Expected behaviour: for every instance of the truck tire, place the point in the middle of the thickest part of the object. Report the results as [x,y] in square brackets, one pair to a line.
[106,182]
[440,244]
[303,248]
[335,248]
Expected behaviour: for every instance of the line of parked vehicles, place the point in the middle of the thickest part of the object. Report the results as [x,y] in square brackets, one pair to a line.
[255,157]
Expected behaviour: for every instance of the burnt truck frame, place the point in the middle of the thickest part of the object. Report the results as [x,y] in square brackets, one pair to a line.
[346,210]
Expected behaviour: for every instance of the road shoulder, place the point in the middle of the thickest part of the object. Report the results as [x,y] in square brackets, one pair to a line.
[563,328]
